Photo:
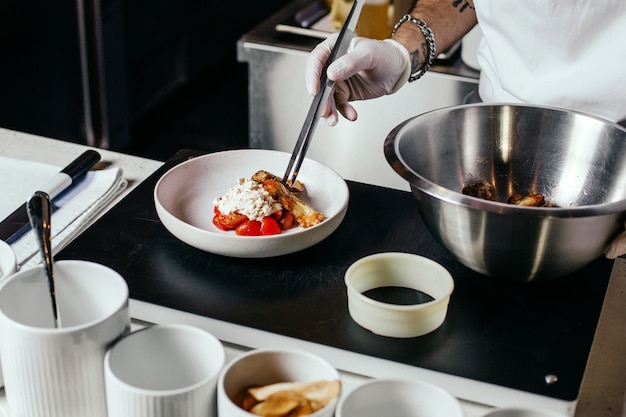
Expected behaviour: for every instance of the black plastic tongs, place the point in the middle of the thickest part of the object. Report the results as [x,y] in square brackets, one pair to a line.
[326,86]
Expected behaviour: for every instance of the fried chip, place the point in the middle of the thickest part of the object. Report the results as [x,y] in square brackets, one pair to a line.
[290,399]
[302,410]
[279,404]
[248,402]
[321,392]
[261,393]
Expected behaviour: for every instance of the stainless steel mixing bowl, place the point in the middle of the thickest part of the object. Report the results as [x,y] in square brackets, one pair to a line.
[577,161]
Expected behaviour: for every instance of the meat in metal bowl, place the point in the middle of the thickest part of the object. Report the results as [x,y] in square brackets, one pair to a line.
[577,161]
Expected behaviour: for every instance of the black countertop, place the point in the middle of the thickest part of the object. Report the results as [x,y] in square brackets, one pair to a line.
[504,333]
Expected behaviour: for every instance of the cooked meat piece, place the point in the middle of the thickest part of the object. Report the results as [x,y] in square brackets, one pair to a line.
[306,216]
[261,176]
[530,200]
[514,199]
[486,191]
[481,189]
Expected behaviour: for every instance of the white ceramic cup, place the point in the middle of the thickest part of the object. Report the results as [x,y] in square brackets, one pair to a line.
[400,398]
[8,266]
[269,366]
[164,371]
[58,372]
[8,261]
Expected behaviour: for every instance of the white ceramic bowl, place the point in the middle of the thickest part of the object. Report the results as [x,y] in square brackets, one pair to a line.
[184,197]
[405,270]
[521,412]
[8,261]
[268,366]
[165,370]
[398,398]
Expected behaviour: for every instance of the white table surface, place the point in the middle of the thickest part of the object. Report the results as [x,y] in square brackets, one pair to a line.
[603,390]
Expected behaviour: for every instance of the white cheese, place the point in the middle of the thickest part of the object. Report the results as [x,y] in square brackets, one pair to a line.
[249,198]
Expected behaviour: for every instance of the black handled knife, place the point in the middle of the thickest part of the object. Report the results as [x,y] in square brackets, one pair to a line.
[18,222]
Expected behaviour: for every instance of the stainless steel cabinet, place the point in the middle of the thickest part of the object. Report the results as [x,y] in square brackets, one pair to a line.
[278,104]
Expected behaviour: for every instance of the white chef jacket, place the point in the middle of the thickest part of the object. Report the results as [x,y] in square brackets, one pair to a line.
[566,53]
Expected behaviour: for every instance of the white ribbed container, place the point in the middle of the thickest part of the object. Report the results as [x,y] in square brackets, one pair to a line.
[8,266]
[51,372]
[164,371]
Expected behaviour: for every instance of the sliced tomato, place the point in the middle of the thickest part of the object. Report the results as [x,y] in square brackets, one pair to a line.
[228,221]
[249,228]
[217,221]
[270,226]
[288,220]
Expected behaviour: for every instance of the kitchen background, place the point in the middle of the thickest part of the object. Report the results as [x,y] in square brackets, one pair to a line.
[158,75]
[161,75]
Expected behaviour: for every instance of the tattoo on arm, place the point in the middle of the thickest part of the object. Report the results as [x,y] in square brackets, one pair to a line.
[462,5]
[417,61]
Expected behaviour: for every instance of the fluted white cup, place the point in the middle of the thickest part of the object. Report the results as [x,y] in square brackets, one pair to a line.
[8,266]
[58,372]
[164,371]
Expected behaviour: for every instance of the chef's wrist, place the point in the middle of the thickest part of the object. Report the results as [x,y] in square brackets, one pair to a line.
[418,38]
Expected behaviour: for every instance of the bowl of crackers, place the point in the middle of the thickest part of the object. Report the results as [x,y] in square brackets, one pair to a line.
[277,382]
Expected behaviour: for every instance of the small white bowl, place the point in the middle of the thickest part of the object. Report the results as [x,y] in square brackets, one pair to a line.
[8,260]
[163,370]
[399,398]
[268,366]
[396,269]
[184,196]
[521,412]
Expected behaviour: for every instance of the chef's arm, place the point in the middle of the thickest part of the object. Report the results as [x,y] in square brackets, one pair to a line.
[449,21]
[373,68]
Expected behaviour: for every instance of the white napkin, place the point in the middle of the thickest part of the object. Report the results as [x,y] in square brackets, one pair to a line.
[71,210]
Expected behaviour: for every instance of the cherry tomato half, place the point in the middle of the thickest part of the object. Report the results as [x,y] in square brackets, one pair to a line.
[249,228]
[270,226]
[228,221]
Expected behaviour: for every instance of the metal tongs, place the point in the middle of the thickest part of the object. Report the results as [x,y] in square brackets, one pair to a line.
[326,86]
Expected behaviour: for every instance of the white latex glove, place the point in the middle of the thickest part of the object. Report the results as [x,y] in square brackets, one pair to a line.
[617,246]
[370,69]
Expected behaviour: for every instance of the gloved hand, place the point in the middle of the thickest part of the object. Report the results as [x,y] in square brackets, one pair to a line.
[370,69]
[617,246]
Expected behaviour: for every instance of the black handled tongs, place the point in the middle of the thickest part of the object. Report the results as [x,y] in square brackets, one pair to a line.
[326,86]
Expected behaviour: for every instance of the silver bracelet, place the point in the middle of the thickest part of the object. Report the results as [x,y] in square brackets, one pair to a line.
[430,40]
